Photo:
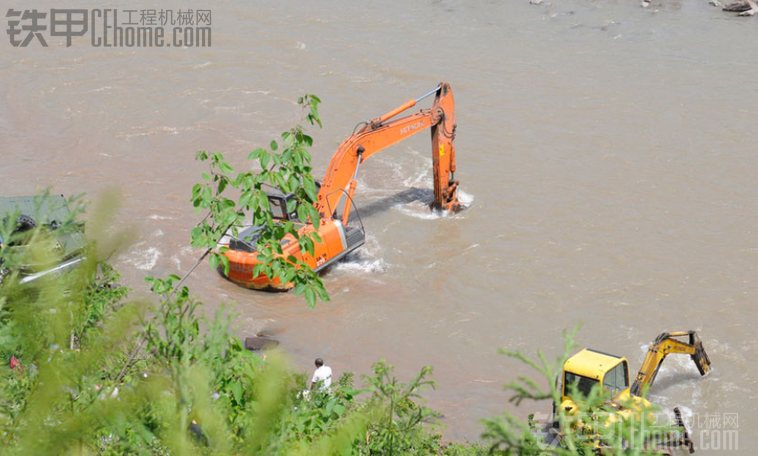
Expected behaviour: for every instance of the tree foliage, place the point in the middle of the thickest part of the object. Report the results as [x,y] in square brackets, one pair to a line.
[399,428]
[285,165]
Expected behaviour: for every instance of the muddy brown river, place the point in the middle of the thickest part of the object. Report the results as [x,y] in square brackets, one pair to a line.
[607,153]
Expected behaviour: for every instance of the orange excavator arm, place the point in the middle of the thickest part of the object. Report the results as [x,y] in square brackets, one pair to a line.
[381,133]
[662,346]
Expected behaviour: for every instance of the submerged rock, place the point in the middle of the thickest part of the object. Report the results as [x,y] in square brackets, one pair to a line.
[753,9]
[737,7]
[744,8]
[260,343]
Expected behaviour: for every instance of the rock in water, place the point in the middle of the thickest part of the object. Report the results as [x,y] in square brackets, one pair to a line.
[737,7]
[715,3]
[536,2]
[260,343]
[753,9]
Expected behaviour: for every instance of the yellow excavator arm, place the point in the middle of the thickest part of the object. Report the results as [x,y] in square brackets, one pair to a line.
[663,345]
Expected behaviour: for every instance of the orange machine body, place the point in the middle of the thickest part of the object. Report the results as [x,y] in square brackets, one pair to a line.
[339,232]
[333,248]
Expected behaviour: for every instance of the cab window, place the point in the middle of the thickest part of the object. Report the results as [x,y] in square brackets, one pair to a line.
[616,380]
[622,376]
[583,384]
[278,207]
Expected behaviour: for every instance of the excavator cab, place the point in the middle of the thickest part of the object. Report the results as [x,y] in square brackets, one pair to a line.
[591,367]
[277,201]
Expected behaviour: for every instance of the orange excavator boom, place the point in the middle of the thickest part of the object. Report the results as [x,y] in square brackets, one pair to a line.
[381,133]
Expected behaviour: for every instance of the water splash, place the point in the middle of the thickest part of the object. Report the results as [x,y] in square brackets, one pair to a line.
[420,209]
[366,259]
[144,259]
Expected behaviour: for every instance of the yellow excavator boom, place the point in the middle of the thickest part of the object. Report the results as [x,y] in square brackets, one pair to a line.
[663,345]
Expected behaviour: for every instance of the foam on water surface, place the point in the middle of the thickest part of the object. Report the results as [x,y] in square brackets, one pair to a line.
[365,260]
[142,258]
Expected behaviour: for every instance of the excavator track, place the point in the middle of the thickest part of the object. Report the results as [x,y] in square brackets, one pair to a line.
[685,440]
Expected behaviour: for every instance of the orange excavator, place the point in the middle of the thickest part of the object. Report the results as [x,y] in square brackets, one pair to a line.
[340,232]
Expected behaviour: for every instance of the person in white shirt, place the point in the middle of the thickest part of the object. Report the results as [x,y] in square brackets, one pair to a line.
[322,377]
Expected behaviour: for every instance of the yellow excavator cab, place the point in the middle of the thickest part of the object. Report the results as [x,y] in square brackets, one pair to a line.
[591,367]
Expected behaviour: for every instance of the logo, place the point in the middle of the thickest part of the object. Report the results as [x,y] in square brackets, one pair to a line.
[111,28]
[412,127]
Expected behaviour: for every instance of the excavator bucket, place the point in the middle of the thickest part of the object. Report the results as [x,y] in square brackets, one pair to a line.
[700,357]
[450,200]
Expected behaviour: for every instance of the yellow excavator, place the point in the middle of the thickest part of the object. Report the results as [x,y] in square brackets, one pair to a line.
[591,367]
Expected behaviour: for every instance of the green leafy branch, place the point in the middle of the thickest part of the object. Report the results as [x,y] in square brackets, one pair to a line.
[286,166]
[402,412]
